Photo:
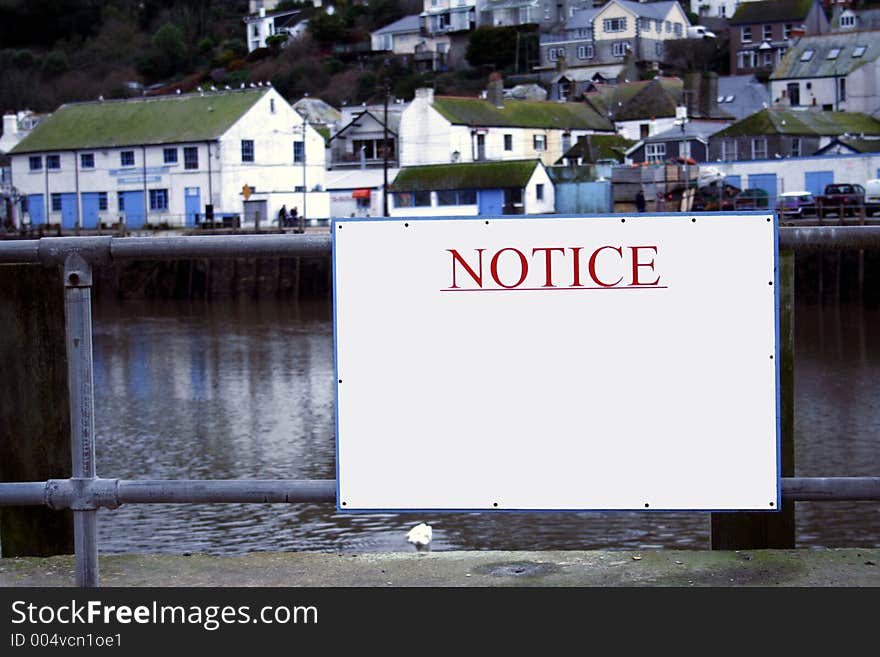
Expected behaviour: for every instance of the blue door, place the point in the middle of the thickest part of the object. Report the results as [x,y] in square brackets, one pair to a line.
[91,208]
[815,181]
[736,181]
[491,201]
[767,182]
[193,205]
[69,213]
[133,205]
[36,209]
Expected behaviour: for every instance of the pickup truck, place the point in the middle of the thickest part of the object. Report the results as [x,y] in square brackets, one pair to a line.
[848,198]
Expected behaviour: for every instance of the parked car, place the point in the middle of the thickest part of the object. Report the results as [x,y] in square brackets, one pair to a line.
[847,198]
[753,198]
[872,196]
[796,205]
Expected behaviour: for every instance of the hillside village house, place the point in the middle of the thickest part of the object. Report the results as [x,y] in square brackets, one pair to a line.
[755,146]
[715,8]
[607,34]
[761,32]
[501,13]
[262,25]
[638,109]
[435,130]
[473,188]
[835,72]
[360,139]
[170,160]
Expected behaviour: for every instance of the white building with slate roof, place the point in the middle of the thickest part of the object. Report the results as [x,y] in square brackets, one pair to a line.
[170,160]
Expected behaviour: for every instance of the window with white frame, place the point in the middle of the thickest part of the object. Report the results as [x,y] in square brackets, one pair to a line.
[525,15]
[728,150]
[745,34]
[508,142]
[126,158]
[539,192]
[53,162]
[56,202]
[585,52]
[614,24]
[299,153]
[767,34]
[668,27]
[786,30]
[768,59]
[684,149]
[35,162]
[645,24]
[722,11]
[619,48]
[796,147]
[102,201]
[847,20]
[841,92]
[87,160]
[539,142]
[746,59]
[169,155]
[655,152]
[759,148]
[553,53]
[678,30]
[658,48]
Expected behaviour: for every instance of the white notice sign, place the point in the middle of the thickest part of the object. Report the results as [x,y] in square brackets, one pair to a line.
[557,363]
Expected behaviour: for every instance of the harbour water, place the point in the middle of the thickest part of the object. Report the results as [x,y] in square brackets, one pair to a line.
[246,390]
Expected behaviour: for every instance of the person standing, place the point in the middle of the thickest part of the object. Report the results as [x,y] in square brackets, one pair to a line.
[640,201]
[282,216]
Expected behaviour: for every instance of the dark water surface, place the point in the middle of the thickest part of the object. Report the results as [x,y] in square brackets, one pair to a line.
[246,390]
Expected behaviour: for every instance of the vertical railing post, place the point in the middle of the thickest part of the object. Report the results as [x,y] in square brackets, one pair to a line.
[78,318]
[756,530]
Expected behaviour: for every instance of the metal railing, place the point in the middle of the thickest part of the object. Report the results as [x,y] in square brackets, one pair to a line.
[84,493]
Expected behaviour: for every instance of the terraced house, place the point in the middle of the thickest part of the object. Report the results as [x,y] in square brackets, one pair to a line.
[170,160]
[838,71]
[443,129]
[608,34]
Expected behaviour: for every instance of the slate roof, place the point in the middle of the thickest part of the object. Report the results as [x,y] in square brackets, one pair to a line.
[140,121]
[465,175]
[818,65]
[742,95]
[655,10]
[806,122]
[404,25]
[520,114]
[701,130]
[771,11]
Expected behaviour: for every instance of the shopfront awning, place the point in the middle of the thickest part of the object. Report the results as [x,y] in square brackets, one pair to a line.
[361,193]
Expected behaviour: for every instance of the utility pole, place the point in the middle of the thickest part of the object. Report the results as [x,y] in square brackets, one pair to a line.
[302,215]
[385,153]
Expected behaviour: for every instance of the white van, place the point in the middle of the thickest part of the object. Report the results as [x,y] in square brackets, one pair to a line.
[872,196]
[699,32]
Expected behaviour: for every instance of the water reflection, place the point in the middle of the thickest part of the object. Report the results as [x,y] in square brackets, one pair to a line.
[246,391]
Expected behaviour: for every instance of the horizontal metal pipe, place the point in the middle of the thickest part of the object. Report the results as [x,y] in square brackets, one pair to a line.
[241,490]
[65,493]
[98,250]
[25,493]
[220,246]
[20,251]
[849,489]
[838,238]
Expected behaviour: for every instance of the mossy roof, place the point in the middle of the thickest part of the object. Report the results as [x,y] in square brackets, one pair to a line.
[520,114]
[638,100]
[465,175]
[769,11]
[593,148]
[807,122]
[862,145]
[156,120]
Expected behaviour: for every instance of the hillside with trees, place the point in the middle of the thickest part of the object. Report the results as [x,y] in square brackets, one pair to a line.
[123,48]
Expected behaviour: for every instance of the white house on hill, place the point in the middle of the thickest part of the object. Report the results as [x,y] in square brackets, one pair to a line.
[171,160]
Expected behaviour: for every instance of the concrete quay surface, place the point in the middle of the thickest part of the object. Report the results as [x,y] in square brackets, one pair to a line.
[845,567]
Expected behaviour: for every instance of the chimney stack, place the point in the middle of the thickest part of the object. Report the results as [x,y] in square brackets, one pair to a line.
[709,100]
[692,89]
[496,90]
